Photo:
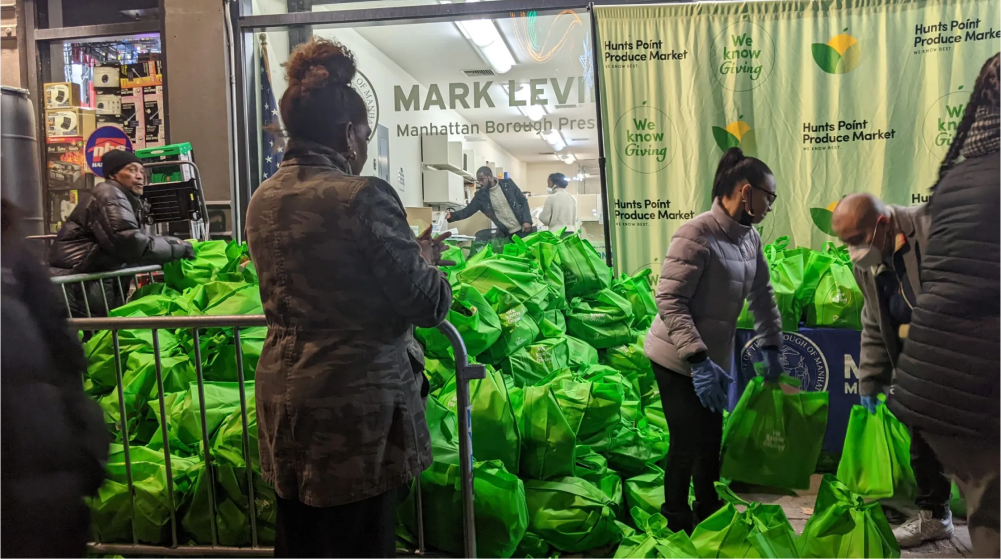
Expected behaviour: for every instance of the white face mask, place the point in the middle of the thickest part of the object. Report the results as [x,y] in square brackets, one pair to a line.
[867,256]
[550,189]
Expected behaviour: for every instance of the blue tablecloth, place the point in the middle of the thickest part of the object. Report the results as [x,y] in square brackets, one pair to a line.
[822,359]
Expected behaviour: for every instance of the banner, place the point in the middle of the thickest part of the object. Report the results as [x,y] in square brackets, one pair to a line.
[835,97]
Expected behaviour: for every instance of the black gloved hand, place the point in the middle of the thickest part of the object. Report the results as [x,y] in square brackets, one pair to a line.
[189,251]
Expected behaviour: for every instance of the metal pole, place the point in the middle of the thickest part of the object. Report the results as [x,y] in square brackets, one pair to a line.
[251,501]
[205,435]
[420,516]
[464,372]
[601,138]
[166,440]
[125,430]
[86,298]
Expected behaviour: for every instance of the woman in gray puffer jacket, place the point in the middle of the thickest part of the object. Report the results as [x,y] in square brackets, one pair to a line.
[714,263]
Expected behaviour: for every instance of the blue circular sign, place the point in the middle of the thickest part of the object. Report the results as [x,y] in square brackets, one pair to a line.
[103,140]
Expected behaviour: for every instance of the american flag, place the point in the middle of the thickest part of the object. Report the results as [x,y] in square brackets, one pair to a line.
[272,144]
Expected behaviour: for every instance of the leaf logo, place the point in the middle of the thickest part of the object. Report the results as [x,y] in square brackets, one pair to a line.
[733,135]
[822,218]
[840,55]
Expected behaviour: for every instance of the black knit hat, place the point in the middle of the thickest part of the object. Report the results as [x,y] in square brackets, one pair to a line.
[114,160]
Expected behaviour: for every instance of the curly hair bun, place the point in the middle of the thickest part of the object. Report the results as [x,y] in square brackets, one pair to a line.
[320,63]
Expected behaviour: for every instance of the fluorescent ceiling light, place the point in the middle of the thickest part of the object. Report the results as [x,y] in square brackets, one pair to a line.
[567,158]
[532,112]
[483,34]
[555,140]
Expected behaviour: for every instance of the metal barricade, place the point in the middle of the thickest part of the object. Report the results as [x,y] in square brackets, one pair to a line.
[99,277]
[464,373]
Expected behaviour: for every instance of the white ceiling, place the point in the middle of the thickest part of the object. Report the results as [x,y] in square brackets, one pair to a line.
[437,53]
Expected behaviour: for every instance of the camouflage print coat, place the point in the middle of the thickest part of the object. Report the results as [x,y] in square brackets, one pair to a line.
[339,410]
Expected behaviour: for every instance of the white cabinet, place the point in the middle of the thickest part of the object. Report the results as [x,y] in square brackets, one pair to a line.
[438,152]
[443,188]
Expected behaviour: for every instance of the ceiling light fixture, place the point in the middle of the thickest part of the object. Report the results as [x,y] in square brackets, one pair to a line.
[483,34]
[555,140]
[534,113]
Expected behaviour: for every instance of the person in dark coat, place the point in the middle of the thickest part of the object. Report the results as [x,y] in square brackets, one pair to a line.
[947,382]
[54,443]
[106,234]
[340,382]
[500,200]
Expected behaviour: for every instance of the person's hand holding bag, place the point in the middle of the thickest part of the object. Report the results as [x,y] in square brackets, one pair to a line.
[710,382]
[772,364]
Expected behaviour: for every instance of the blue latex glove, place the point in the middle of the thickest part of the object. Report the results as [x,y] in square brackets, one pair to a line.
[710,384]
[870,403]
[773,366]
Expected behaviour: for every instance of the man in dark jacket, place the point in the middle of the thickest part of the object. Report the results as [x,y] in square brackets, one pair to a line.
[54,441]
[502,201]
[106,233]
[886,244]
[947,382]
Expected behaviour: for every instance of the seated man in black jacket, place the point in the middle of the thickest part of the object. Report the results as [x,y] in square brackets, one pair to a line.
[502,201]
[106,234]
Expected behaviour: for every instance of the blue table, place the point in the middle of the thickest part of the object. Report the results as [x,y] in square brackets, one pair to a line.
[822,359]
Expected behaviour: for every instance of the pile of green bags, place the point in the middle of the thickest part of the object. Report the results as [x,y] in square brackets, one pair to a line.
[220,280]
[569,411]
[816,288]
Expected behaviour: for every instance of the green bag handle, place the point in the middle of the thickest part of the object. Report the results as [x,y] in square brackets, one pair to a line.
[727,494]
[574,490]
[775,249]
[838,253]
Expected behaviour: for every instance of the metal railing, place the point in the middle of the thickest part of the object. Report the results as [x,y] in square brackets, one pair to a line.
[98,278]
[464,372]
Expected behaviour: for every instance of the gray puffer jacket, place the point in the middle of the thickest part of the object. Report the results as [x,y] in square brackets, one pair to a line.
[712,265]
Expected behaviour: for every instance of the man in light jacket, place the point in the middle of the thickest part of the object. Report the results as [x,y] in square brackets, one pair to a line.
[886,244]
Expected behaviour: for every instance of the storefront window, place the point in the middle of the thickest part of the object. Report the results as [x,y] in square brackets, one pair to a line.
[71,13]
[515,93]
[89,84]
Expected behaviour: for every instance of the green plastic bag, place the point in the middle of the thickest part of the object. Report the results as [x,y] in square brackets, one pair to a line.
[493,418]
[774,434]
[547,438]
[139,388]
[844,526]
[584,271]
[631,360]
[838,300]
[602,321]
[591,407]
[552,325]
[473,317]
[632,448]
[226,298]
[239,267]
[631,409]
[582,355]
[645,492]
[438,372]
[639,292]
[518,328]
[114,509]
[184,431]
[499,509]
[546,254]
[957,504]
[876,460]
[571,514]
[100,352]
[655,540]
[531,364]
[444,428]
[653,410]
[518,276]
[593,468]
[795,275]
[532,547]
[210,257]
[756,530]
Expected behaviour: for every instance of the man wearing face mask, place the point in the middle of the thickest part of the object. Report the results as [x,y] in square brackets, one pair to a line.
[886,245]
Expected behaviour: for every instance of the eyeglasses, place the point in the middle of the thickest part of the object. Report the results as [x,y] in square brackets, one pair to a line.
[769,196]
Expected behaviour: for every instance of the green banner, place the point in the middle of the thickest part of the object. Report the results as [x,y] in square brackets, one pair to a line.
[835,96]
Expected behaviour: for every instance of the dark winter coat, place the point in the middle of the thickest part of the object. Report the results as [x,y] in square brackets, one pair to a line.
[949,372]
[481,203]
[339,410]
[106,233]
[54,440]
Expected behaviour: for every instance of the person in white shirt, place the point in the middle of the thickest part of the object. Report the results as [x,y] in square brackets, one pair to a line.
[560,210]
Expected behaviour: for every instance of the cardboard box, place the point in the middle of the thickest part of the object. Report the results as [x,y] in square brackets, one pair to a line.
[142,74]
[420,218]
[60,204]
[73,122]
[108,104]
[107,76]
[133,121]
[61,95]
[153,113]
[65,164]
